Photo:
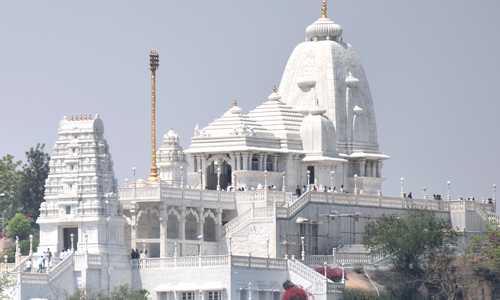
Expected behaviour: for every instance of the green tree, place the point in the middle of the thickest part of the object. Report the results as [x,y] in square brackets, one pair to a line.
[408,238]
[10,177]
[19,226]
[484,252]
[32,186]
[123,292]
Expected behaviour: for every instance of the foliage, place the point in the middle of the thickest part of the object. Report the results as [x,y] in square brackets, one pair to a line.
[10,177]
[353,294]
[19,226]
[358,268]
[484,253]
[295,293]
[4,283]
[334,274]
[32,186]
[408,238]
[122,292]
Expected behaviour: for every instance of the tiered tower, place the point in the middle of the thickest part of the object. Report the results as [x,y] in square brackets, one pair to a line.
[172,160]
[81,199]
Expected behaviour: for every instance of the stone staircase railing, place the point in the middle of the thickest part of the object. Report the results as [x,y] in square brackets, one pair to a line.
[245,218]
[51,275]
[318,284]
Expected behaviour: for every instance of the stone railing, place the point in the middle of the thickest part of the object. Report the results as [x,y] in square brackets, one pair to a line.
[155,193]
[243,219]
[379,201]
[208,261]
[494,218]
[319,283]
[51,275]
[348,258]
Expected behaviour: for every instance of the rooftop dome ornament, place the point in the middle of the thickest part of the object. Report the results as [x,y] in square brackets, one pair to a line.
[274,96]
[324,28]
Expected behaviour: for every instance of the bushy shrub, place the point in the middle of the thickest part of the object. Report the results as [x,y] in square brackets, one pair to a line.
[19,226]
[295,293]
[352,294]
[334,274]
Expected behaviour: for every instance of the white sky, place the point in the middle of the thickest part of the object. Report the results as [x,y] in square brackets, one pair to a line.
[432,68]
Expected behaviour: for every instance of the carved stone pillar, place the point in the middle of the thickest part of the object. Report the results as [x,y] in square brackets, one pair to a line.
[368,168]
[275,162]
[218,224]
[182,230]
[361,170]
[261,162]
[163,230]
[379,169]
[133,231]
[203,171]
[246,156]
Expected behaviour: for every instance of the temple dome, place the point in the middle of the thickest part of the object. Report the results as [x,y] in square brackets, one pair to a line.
[324,28]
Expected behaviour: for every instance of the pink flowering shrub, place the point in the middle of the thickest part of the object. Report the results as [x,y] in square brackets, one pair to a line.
[334,274]
[296,293]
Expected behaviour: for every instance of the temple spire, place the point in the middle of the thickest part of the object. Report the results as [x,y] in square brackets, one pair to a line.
[154,64]
[324,9]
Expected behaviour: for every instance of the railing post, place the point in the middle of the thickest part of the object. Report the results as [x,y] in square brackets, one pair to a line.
[343,271]
[334,257]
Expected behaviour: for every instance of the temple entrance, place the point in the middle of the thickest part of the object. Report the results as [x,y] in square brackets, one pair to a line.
[67,238]
[225,175]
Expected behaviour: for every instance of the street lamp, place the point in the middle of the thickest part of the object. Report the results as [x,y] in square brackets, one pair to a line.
[303,253]
[267,242]
[402,187]
[86,243]
[332,179]
[218,178]
[284,183]
[425,193]
[355,184]
[308,180]
[182,176]
[31,244]
[201,183]
[265,179]
[200,237]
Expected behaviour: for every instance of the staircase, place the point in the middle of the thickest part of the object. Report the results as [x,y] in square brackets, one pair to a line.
[249,216]
[313,282]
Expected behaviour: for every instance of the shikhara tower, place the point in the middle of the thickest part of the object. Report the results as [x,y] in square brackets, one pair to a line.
[319,128]
[81,196]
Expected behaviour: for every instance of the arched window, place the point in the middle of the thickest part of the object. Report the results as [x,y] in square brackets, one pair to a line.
[209,229]
[172,227]
[191,227]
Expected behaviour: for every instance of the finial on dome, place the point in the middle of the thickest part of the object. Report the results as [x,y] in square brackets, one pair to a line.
[317,102]
[324,9]
[274,88]
[171,128]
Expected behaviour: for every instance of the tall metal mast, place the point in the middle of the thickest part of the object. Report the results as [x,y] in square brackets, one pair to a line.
[154,64]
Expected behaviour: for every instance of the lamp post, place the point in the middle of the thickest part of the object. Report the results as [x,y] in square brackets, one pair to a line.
[284,183]
[200,237]
[72,242]
[308,180]
[133,178]
[182,176]
[303,253]
[425,193]
[325,265]
[355,184]
[267,242]
[265,179]
[332,179]
[343,273]
[31,244]
[494,192]
[218,178]
[402,187]
[249,291]
[448,197]
[86,243]
[201,183]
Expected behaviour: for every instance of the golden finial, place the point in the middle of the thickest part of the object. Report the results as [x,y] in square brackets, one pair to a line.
[274,88]
[85,117]
[81,118]
[317,102]
[171,128]
[324,9]
[232,104]
[71,117]
[90,116]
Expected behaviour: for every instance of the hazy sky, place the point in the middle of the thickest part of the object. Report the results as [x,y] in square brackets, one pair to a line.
[432,67]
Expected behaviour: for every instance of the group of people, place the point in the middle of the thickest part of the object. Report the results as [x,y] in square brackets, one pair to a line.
[326,189]
[136,254]
[46,257]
